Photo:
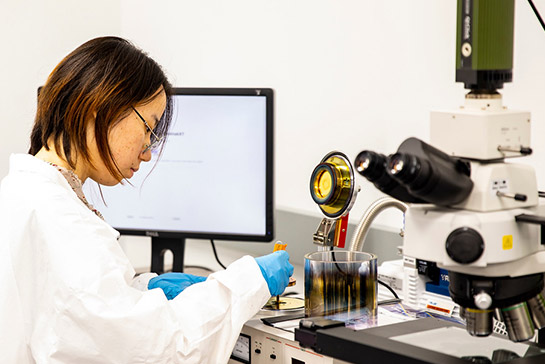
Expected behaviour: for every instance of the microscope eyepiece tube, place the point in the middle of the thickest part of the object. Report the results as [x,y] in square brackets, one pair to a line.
[430,174]
[372,166]
[408,169]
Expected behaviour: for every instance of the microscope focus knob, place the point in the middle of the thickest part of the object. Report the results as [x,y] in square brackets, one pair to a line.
[483,300]
[464,245]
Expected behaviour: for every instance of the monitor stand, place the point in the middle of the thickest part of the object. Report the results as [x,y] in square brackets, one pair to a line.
[159,246]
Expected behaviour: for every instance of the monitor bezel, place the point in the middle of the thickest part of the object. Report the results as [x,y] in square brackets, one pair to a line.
[269,178]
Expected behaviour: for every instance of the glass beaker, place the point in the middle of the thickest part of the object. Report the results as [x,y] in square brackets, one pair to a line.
[340,281]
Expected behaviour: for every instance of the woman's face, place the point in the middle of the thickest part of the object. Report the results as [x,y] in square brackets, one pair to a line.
[128,139]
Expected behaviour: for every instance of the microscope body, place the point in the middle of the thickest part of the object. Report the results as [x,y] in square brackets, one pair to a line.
[491,242]
[473,212]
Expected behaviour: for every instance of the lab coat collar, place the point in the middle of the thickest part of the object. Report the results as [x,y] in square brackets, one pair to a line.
[28,163]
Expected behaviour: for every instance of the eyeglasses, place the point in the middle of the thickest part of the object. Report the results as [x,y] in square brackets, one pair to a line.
[154,140]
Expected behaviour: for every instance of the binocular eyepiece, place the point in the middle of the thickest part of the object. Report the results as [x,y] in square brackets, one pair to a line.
[417,173]
[373,166]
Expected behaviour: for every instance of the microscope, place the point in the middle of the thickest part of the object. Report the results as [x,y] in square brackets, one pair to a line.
[472,210]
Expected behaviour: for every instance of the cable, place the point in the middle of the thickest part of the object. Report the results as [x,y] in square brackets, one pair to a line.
[216,254]
[389,302]
[541,194]
[537,13]
[336,265]
[389,288]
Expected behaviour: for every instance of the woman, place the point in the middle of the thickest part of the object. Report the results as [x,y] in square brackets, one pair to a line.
[69,290]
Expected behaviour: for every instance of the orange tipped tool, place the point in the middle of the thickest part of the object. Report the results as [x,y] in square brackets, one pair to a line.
[279,246]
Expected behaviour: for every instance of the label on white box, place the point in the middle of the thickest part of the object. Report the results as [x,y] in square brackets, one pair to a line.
[393,282]
[444,308]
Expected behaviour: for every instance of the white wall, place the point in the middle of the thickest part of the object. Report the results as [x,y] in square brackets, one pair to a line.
[349,74]
[35,35]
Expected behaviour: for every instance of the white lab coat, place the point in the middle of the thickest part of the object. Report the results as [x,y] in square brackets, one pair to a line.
[66,295]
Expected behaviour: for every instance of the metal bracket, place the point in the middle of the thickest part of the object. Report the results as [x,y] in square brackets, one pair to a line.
[325,235]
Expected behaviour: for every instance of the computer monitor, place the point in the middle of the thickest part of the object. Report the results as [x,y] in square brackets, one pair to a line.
[213,179]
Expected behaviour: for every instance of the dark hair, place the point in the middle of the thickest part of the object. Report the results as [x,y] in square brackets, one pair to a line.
[101,79]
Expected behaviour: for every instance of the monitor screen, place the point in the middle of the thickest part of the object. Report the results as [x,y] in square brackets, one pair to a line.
[214,177]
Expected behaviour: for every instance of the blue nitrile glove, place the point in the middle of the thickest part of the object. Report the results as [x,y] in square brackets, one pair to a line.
[276,270]
[174,283]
